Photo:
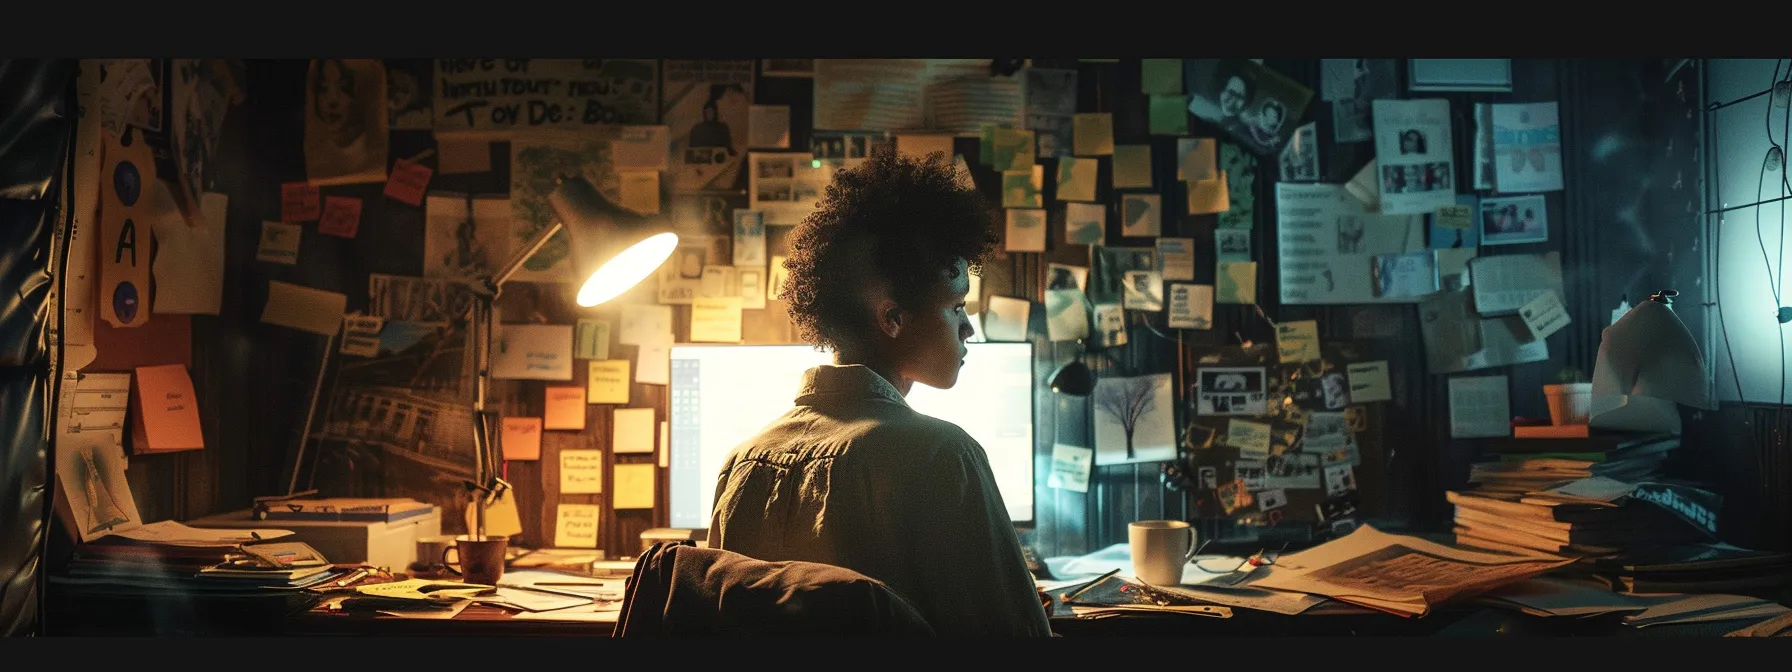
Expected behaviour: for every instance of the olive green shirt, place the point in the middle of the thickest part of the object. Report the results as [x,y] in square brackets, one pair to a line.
[854,477]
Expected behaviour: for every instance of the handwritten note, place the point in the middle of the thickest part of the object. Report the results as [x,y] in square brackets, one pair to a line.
[1369,381]
[1093,134]
[279,243]
[592,340]
[521,439]
[1455,217]
[607,381]
[1545,315]
[1070,467]
[581,472]
[408,181]
[304,308]
[575,525]
[533,352]
[715,319]
[341,217]
[1250,438]
[632,430]
[634,486]
[565,407]
[299,202]
[167,413]
[488,94]
[361,335]
[1298,341]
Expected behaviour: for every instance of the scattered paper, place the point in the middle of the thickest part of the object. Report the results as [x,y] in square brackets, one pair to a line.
[564,407]
[1504,283]
[177,534]
[632,430]
[1545,314]
[607,381]
[581,473]
[532,352]
[304,308]
[575,525]
[189,260]
[1070,467]
[634,486]
[1456,339]
[1478,407]
[1369,382]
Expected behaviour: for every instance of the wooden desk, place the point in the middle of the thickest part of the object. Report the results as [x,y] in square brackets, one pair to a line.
[477,620]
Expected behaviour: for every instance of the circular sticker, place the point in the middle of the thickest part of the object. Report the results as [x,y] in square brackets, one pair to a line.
[124,302]
[127,182]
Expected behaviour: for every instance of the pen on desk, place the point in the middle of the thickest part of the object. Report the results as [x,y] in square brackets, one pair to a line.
[1091,584]
[357,576]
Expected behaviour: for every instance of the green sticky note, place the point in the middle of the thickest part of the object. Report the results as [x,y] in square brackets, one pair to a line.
[1169,114]
[986,145]
[591,339]
[1161,76]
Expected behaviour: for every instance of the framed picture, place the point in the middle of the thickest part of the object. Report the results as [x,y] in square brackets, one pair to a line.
[1459,74]
[1512,220]
[787,67]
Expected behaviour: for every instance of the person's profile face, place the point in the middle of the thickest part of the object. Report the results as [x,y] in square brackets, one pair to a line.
[1232,96]
[334,95]
[930,348]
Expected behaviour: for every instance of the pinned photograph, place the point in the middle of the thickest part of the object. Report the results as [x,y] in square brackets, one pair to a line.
[1414,155]
[1108,283]
[1141,215]
[1257,106]
[345,121]
[1134,419]
[1208,477]
[1005,318]
[1350,84]
[1144,291]
[1300,157]
[408,93]
[1337,390]
[1272,499]
[1230,390]
[1110,325]
[1339,479]
[1065,276]
[706,106]
[1404,275]
[1066,315]
[1518,219]
[1233,244]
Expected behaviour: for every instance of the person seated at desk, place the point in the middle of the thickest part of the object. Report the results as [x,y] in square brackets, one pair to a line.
[852,476]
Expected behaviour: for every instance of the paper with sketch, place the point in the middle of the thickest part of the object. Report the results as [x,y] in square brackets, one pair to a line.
[90,458]
[1141,215]
[532,351]
[1328,241]
[1504,283]
[1070,467]
[1457,339]
[1398,574]
[1134,419]
[1479,407]
[1415,155]
[1066,315]
[1527,147]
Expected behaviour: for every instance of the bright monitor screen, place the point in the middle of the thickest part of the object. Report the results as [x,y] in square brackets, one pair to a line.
[722,395]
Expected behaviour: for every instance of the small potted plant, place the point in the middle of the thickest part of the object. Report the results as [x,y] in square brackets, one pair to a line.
[1570,399]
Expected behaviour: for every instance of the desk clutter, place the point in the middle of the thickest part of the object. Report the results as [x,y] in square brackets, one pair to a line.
[172,557]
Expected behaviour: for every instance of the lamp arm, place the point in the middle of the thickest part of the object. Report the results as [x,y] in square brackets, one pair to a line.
[515,264]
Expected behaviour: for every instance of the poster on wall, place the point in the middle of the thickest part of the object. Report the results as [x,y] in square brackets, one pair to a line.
[1257,106]
[1328,242]
[203,91]
[345,121]
[537,161]
[707,106]
[474,95]
[1413,151]
[1527,147]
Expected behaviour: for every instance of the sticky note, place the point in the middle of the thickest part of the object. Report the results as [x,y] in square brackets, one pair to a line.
[1076,178]
[665,446]
[632,430]
[532,352]
[1208,197]
[1235,282]
[1250,438]
[768,126]
[463,154]
[298,202]
[1455,217]
[1545,314]
[634,486]
[654,361]
[640,191]
[279,243]
[715,319]
[1025,231]
[565,407]
[607,381]
[361,335]
[341,217]
[1132,167]
[641,324]
[501,519]
[1168,114]
[1369,381]
[167,412]
[408,181]
[1014,150]
[521,439]
[1297,341]
[575,525]
[1160,76]
[591,340]
[581,472]
[1196,159]
[1070,467]
[304,308]
[1093,134]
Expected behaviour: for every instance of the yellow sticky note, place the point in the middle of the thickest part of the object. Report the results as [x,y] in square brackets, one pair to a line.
[715,319]
[1076,178]
[634,486]
[607,381]
[632,430]
[1196,159]
[1132,167]
[501,517]
[1160,75]
[1168,114]
[581,472]
[1297,341]
[1455,217]
[1094,134]
[565,407]
[1013,149]
[1208,197]
[641,191]
[458,155]
[167,413]
[521,439]
[575,525]
[1250,438]
[1020,188]
[1235,282]
[665,444]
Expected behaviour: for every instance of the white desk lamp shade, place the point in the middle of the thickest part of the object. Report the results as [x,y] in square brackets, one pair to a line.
[1647,363]
[612,250]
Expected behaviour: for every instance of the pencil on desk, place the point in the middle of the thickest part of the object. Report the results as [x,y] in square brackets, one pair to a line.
[1091,584]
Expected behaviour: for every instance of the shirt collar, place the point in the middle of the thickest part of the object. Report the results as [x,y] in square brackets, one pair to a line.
[853,381]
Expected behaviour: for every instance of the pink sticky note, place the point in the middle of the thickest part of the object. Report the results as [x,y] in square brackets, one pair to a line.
[342,216]
[408,182]
[522,439]
[298,202]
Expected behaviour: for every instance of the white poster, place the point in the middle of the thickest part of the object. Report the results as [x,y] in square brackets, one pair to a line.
[708,107]
[1328,243]
[1413,150]
[495,95]
[1527,147]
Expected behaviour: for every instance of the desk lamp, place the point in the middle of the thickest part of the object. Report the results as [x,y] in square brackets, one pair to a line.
[612,250]
[1647,364]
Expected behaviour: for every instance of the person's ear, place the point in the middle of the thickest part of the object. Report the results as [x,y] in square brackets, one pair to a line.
[890,318]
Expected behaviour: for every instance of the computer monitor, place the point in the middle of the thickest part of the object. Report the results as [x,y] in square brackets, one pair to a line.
[724,394]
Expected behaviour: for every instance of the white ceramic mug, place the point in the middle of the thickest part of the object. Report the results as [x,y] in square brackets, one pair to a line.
[1159,550]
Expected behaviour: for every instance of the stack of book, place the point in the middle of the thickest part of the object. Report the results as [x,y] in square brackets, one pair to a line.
[1522,466]
[170,556]
[1694,568]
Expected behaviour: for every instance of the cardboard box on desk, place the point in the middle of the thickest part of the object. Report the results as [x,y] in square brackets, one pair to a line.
[390,544]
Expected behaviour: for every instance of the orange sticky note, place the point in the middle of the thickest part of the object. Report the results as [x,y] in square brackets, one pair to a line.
[565,407]
[167,414]
[522,439]
[1206,197]
[408,182]
[342,216]
[298,202]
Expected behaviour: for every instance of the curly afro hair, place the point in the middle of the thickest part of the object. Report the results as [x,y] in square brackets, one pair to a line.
[909,218]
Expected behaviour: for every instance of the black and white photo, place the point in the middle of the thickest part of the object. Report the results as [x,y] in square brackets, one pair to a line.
[345,121]
[1230,391]
[1144,291]
[1258,107]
